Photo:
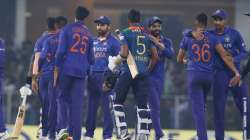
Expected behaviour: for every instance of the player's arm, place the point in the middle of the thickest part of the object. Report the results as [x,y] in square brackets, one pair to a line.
[154,58]
[166,46]
[30,70]
[157,42]
[169,50]
[35,65]
[124,51]
[243,54]
[228,59]
[181,54]
[60,53]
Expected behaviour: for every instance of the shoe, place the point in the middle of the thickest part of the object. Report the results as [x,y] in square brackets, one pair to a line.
[107,139]
[164,138]
[4,135]
[39,133]
[88,138]
[62,135]
[43,138]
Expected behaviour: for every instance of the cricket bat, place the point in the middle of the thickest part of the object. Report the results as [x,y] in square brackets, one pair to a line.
[130,59]
[24,91]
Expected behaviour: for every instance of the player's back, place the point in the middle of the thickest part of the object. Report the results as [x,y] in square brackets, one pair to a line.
[48,53]
[201,53]
[76,41]
[139,45]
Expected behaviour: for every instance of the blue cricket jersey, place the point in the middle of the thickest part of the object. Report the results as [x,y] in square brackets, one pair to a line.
[158,71]
[75,50]
[47,57]
[139,44]
[200,53]
[233,43]
[39,43]
[102,50]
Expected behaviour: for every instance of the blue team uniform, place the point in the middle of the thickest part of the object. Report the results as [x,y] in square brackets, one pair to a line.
[157,77]
[46,67]
[2,61]
[234,44]
[102,50]
[73,57]
[200,70]
[43,84]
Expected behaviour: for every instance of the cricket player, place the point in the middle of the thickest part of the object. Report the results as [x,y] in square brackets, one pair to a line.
[135,40]
[234,44]
[37,51]
[73,57]
[104,45]
[157,76]
[200,69]
[41,86]
[46,67]
[3,133]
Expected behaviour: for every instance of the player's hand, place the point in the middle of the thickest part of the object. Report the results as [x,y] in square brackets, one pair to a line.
[154,39]
[34,85]
[235,80]
[197,35]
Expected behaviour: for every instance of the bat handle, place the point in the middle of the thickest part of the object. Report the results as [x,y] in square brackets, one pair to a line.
[24,100]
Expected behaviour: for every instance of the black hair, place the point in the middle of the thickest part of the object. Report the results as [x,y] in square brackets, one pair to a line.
[61,20]
[81,13]
[51,23]
[202,19]
[134,16]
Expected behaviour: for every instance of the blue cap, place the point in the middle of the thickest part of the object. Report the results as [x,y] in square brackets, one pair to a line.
[103,20]
[154,19]
[220,13]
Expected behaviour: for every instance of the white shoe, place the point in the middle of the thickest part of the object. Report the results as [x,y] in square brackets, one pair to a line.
[43,138]
[164,138]
[4,135]
[88,138]
[39,132]
[63,134]
[107,139]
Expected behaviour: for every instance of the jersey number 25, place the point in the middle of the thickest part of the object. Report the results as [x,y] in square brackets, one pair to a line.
[80,43]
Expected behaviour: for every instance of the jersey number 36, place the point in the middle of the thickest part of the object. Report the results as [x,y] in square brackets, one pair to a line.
[201,53]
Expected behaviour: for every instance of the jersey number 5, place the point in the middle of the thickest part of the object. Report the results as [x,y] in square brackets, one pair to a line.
[141,45]
[202,53]
[80,44]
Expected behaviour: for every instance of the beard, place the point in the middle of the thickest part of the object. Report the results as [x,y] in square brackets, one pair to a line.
[156,32]
[101,32]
